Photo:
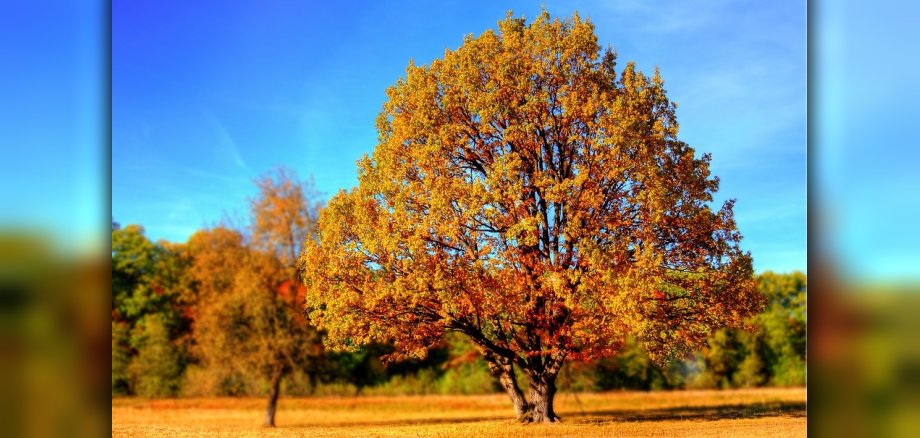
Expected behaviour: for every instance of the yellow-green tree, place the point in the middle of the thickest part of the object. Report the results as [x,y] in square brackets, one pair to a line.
[221,329]
[527,195]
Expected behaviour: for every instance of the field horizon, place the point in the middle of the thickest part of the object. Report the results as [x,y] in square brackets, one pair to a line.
[745,412]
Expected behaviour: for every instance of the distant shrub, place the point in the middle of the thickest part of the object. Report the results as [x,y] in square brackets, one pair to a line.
[790,371]
[422,382]
[157,369]
[578,377]
[121,359]
[750,372]
[469,378]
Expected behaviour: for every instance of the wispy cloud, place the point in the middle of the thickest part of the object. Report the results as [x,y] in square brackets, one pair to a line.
[180,210]
[771,213]
[667,17]
[226,145]
[215,177]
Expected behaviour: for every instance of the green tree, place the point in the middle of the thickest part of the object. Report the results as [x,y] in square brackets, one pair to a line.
[147,286]
[751,371]
[133,270]
[773,352]
[783,326]
[157,369]
[631,369]
[121,358]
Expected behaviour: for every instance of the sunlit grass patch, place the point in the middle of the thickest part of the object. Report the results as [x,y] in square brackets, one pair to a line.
[747,412]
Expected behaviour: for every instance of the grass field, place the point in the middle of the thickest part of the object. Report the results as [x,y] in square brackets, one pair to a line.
[749,412]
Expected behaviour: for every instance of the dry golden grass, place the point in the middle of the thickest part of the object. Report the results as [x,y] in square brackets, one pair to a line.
[749,412]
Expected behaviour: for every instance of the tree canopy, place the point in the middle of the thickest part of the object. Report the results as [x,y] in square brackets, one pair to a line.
[525,193]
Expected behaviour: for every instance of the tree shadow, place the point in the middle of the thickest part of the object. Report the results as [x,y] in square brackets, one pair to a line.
[711,413]
[706,413]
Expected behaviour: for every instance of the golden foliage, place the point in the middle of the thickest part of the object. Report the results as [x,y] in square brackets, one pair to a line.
[525,193]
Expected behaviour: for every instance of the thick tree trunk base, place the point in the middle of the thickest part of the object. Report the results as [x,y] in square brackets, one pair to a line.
[531,418]
[538,407]
[542,393]
[541,413]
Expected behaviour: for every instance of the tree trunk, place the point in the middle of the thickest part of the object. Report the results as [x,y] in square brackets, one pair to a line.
[506,379]
[503,370]
[277,374]
[314,381]
[542,376]
[542,392]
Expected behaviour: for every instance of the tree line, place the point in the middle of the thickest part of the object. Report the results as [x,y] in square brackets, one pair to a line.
[222,315]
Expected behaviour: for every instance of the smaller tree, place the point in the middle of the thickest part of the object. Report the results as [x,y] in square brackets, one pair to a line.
[248,290]
[283,214]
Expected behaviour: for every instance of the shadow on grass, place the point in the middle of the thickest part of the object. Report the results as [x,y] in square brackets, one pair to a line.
[705,413]
[718,412]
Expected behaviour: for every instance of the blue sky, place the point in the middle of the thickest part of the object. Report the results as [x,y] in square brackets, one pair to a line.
[206,98]
[53,86]
[866,145]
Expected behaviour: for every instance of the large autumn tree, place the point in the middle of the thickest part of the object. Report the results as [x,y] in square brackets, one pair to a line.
[530,196]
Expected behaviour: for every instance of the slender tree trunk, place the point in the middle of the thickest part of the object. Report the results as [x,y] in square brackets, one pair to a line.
[314,381]
[506,379]
[503,370]
[277,374]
